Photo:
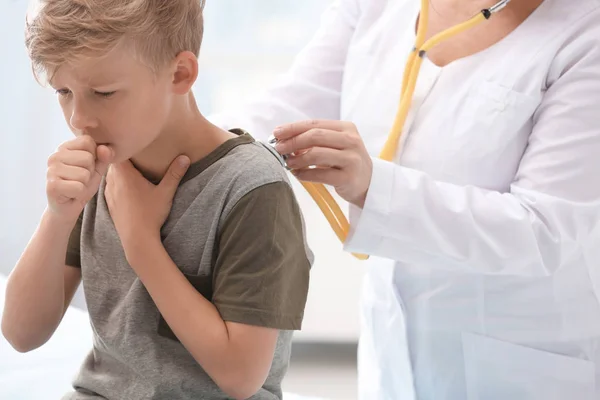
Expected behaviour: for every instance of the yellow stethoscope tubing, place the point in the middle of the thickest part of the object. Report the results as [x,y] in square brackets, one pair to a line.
[329,207]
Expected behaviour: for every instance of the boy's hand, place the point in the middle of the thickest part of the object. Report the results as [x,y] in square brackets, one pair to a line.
[137,207]
[74,174]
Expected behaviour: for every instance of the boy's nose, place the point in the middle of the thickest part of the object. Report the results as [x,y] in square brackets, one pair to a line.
[81,120]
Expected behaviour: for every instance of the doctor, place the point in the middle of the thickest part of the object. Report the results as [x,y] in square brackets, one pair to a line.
[484,229]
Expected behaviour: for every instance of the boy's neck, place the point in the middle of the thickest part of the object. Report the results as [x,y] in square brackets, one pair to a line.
[189,133]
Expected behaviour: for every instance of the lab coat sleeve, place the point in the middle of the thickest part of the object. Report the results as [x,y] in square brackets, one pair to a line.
[311,88]
[550,216]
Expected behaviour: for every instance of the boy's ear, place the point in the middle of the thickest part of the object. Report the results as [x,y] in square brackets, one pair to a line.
[185,72]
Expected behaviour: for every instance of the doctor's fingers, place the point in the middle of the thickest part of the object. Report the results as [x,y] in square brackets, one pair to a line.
[317,137]
[288,131]
[320,157]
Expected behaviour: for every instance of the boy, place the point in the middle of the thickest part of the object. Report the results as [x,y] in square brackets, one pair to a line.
[187,238]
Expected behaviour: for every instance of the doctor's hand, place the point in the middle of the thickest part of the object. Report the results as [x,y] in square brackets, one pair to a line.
[328,152]
[137,207]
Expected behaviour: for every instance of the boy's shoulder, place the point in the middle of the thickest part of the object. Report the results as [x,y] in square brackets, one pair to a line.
[238,168]
[251,163]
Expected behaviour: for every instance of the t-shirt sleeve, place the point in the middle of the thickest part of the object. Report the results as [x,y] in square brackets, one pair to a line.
[73,258]
[261,275]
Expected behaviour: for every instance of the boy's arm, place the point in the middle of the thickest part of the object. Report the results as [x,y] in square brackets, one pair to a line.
[260,287]
[41,286]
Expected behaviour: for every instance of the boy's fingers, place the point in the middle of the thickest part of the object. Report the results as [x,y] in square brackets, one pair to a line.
[65,189]
[70,173]
[74,158]
[84,142]
[172,178]
[104,157]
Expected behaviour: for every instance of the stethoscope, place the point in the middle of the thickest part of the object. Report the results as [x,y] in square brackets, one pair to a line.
[318,192]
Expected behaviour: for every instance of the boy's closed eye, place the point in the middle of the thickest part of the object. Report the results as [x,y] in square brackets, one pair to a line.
[105,94]
[66,92]
[63,92]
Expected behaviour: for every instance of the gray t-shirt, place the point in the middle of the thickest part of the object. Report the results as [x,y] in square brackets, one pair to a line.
[236,232]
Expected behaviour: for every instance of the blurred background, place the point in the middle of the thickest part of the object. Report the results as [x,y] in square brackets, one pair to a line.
[247,44]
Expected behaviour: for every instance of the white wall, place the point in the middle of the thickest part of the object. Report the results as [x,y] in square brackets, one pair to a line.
[247,43]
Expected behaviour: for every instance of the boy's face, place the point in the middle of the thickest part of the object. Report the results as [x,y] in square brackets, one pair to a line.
[116,100]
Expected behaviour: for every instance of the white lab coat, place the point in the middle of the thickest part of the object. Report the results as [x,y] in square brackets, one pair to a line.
[485,233]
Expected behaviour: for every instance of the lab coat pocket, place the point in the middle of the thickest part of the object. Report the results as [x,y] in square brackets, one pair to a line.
[496,370]
[486,133]
[492,117]
[203,284]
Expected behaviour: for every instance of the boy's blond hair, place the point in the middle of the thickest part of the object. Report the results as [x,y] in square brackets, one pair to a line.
[156,31]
